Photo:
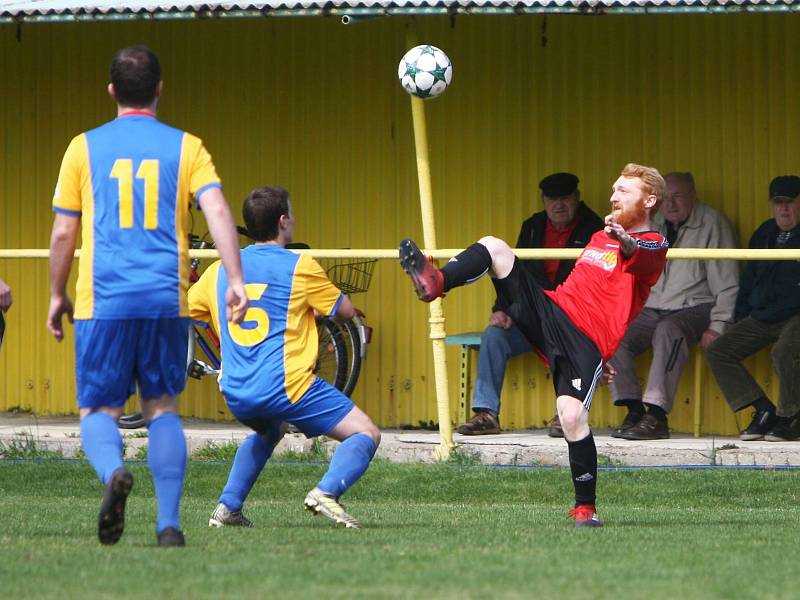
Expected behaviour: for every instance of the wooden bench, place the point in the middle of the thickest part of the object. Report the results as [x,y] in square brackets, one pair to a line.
[469,342]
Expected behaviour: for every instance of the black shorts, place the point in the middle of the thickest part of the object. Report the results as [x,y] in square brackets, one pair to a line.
[575,361]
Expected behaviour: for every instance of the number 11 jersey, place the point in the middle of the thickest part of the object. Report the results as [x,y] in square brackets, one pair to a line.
[130,181]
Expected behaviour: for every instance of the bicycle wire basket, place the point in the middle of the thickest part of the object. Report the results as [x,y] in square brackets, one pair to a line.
[351,275]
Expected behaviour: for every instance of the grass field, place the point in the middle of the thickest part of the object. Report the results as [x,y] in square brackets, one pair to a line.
[432,531]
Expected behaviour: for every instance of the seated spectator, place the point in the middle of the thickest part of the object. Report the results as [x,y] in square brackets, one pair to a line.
[767,312]
[692,302]
[5,304]
[5,296]
[565,222]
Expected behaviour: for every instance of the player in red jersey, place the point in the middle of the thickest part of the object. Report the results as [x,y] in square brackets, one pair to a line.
[577,327]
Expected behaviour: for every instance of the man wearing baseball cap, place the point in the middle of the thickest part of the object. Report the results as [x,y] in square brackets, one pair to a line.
[565,222]
[767,313]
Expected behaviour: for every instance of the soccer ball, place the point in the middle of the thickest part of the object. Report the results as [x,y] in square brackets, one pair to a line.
[425,71]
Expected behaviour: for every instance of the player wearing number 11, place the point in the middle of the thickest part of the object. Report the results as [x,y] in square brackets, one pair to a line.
[129,184]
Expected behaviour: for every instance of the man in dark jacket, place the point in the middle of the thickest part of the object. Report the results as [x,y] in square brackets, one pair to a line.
[767,312]
[565,222]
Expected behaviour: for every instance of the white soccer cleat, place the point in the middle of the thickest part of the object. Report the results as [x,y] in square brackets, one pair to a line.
[222,517]
[328,506]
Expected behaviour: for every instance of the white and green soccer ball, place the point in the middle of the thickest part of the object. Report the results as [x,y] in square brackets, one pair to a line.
[425,71]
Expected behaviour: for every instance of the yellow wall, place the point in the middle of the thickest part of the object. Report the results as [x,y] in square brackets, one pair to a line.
[315,106]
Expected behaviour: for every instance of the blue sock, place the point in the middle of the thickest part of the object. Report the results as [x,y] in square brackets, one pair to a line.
[166,456]
[250,459]
[101,444]
[349,463]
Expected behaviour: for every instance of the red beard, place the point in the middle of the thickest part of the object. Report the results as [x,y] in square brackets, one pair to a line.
[635,216]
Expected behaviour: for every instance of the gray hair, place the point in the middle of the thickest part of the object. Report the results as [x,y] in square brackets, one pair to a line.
[685,176]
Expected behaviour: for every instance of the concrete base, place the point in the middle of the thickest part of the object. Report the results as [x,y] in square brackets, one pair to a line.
[531,447]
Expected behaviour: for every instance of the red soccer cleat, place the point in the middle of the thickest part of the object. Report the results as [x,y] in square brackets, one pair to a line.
[585,515]
[427,279]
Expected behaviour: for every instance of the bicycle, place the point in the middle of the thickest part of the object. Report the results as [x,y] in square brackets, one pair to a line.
[331,353]
[209,344]
[352,276]
[342,346]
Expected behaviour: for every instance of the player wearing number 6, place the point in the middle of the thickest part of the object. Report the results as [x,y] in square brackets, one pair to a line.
[129,184]
[268,362]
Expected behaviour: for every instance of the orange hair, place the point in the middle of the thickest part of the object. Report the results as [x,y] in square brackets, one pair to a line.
[651,179]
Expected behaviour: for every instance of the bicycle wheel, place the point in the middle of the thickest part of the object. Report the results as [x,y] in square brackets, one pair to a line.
[352,343]
[332,356]
[132,421]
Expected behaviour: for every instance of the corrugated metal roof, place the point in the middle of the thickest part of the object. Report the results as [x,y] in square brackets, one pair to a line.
[100,9]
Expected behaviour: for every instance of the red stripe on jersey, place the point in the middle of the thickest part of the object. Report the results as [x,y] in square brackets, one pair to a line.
[605,291]
[140,113]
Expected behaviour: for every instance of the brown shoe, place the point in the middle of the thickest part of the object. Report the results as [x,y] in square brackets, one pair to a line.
[554,427]
[648,428]
[629,421]
[483,423]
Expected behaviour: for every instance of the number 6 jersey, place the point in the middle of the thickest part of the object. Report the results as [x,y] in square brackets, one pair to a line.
[130,181]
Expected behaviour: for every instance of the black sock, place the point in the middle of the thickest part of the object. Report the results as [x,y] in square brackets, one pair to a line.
[635,407]
[657,412]
[764,405]
[583,464]
[467,266]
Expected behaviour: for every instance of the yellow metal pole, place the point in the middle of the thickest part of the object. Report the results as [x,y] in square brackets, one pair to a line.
[698,382]
[436,318]
[744,254]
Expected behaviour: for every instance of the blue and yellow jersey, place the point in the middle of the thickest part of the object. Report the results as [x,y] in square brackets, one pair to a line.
[271,356]
[131,181]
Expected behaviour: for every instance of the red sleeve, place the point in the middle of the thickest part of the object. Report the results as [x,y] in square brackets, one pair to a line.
[649,258]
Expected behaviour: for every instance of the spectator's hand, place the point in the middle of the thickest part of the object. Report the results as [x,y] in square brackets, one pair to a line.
[708,337]
[59,306]
[608,375]
[5,296]
[500,319]
[236,302]
[616,232]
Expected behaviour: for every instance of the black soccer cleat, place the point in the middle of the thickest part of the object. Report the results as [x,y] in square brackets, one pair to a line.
[111,521]
[427,279]
[170,537]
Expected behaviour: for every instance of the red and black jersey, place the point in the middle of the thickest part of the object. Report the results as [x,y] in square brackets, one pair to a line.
[606,291]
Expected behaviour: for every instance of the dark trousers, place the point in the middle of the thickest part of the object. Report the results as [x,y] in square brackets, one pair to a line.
[744,339]
[669,333]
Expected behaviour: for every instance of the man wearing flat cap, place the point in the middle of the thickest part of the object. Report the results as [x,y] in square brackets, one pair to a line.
[767,312]
[565,222]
